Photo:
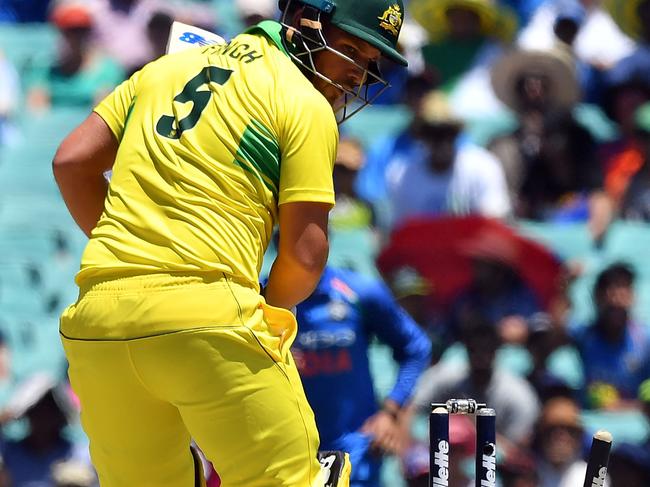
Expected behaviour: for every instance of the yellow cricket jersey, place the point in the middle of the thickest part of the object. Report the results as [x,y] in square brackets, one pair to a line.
[212,140]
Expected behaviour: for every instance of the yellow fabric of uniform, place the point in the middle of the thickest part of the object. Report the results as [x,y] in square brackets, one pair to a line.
[211,140]
[233,387]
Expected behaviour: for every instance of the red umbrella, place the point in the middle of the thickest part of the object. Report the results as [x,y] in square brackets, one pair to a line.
[441,250]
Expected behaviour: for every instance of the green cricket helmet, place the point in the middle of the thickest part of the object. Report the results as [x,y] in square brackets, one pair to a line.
[378,22]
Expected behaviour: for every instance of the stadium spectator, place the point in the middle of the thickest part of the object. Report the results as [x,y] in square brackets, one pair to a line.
[550,159]
[564,183]
[558,444]
[402,147]
[599,42]
[350,212]
[23,11]
[158,30]
[543,340]
[48,410]
[615,351]
[530,83]
[336,325]
[519,470]
[631,184]
[80,76]
[121,27]
[451,177]
[253,12]
[496,291]
[629,465]
[510,395]
[626,89]
[465,39]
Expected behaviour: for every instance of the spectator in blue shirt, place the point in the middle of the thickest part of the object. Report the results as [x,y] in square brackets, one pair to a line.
[23,11]
[615,351]
[336,326]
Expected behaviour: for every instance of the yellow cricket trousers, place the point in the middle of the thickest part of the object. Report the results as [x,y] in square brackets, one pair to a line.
[159,359]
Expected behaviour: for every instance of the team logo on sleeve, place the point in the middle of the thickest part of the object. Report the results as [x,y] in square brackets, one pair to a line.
[391,20]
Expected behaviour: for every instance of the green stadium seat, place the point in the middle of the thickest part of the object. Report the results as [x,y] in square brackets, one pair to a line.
[28,45]
[33,339]
[354,249]
[376,121]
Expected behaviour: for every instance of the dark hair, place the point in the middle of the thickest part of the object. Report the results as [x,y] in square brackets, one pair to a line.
[477,328]
[619,272]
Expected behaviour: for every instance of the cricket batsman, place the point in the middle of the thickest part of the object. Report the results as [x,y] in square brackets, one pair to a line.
[171,337]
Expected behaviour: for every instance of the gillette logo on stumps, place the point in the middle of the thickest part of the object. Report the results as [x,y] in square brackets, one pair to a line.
[489,477]
[440,477]
[600,480]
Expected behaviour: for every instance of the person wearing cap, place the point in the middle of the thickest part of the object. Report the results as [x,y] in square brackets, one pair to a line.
[337,323]
[460,33]
[210,148]
[465,39]
[413,293]
[530,83]
[451,177]
[80,76]
[550,159]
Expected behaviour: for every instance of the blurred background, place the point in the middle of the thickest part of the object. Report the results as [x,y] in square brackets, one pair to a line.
[501,188]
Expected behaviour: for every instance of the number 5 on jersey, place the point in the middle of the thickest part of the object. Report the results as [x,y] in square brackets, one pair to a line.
[167,125]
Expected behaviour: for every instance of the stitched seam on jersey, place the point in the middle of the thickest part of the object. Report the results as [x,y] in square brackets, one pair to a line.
[295,396]
[156,335]
[136,373]
[234,297]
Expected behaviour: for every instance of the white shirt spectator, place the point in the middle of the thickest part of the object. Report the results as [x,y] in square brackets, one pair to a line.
[475,184]
[599,42]
[571,476]
[511,396]
[123,35]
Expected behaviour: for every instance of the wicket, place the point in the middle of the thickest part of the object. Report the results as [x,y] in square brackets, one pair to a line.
[598,459]
[439,441]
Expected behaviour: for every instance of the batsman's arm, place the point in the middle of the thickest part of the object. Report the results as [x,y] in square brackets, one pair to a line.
[79,166]
[302,253]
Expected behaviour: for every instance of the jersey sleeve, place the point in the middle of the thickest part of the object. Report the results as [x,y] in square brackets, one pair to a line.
[394,327]
[115,108]
[308,142]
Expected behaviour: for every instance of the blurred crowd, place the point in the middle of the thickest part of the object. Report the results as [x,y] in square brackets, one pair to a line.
[517,110]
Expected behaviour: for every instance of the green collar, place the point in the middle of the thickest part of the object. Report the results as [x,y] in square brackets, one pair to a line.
[272,30]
